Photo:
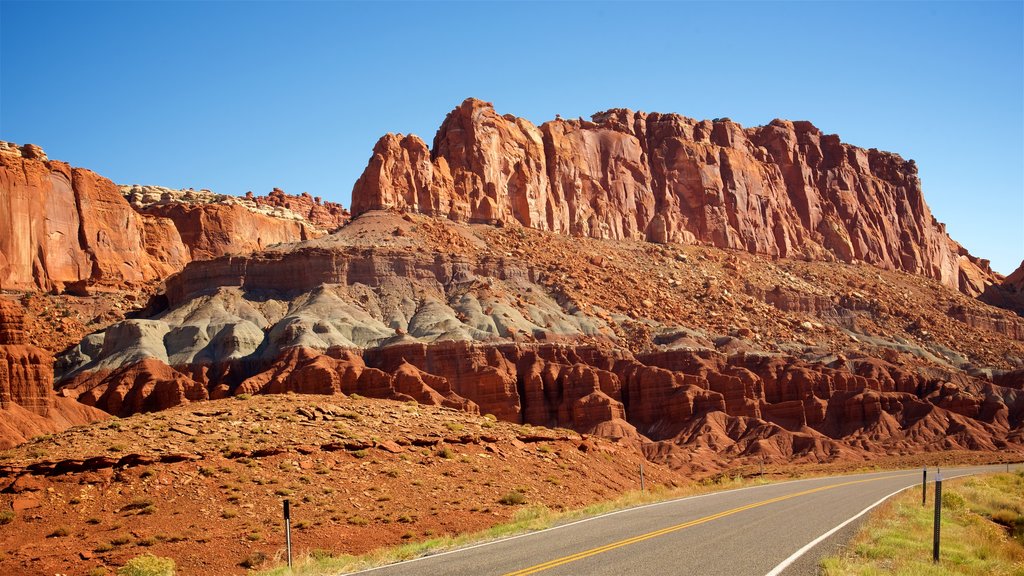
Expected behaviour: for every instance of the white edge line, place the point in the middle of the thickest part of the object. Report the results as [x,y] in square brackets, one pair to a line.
[560,526]
[796,555]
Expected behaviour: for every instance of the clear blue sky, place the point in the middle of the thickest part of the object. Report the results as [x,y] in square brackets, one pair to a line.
[248,96]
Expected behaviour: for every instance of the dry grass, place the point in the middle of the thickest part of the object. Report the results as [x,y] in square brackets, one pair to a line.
[982,533]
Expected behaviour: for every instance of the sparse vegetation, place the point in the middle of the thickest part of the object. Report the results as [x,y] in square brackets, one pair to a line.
[514,498]
[148,565]
[254,560]
[58,533]
[6,517]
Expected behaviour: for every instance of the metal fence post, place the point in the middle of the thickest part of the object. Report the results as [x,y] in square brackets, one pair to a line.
[642,487]
[288,531]
[938,517]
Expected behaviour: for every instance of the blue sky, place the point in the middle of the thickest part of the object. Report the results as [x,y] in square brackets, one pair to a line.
[244,96]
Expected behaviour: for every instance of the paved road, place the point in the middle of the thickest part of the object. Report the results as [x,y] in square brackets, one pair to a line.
[752,531]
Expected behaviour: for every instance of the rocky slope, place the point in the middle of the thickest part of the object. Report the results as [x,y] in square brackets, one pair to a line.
[783,190]
[69,229]
[699,357]
[28,405]
[204,484]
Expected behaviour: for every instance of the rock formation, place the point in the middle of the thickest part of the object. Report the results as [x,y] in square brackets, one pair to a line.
[785,189]
[28,405]
[382,310]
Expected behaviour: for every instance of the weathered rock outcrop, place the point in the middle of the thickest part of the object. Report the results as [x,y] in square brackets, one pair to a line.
[65,227]
[28,406]
[313,212]
[211,230]
[784,189]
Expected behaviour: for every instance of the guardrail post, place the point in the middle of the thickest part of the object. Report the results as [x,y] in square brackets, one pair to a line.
[924,485]
[938,517]
[288,531]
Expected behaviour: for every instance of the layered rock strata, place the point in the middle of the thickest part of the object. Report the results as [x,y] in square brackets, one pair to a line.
[485,335]
[785,189]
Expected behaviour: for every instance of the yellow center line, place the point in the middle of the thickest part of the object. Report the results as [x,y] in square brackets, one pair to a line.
[608,547]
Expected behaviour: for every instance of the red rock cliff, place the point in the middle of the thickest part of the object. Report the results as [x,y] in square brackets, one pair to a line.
[784,189]
[61,225]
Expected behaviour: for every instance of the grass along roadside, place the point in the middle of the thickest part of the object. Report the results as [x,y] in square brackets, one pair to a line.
[527,519]
[982,532]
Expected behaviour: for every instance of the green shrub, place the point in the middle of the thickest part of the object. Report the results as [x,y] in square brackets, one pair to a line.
[6,517]
[953,501]
[148,565]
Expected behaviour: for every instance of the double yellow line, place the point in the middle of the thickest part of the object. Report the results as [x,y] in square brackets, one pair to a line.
[608,547]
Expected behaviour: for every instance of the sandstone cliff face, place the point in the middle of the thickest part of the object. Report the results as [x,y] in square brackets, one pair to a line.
[209,231]
[67,227]
[64,225]
[784,189]
[28,405]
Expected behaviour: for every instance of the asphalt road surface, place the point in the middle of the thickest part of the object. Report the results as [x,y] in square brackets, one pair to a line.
[775,529]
